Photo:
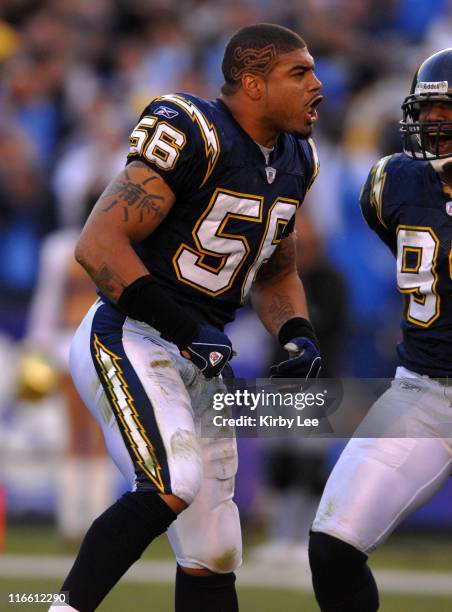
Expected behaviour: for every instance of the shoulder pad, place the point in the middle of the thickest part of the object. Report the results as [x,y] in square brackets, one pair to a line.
[378,176]
[190,107]
[314,160]
[176,139]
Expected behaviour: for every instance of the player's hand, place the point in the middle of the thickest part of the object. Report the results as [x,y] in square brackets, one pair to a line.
[210,350]
[304,360]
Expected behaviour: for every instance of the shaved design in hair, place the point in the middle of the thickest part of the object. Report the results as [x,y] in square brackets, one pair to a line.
[259,61]
[255,49]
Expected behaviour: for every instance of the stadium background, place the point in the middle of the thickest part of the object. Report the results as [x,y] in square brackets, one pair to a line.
[74,76]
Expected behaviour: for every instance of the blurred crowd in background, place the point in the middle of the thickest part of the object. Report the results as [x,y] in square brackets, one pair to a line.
[75,76]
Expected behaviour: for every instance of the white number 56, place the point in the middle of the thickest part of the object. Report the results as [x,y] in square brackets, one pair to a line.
[163,149]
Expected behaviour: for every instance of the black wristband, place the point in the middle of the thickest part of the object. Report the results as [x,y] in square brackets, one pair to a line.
[145,300]
[296,327]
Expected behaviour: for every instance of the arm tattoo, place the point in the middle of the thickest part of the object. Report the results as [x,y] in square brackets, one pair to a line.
[281,263]
[133,196]
[108,281]
[280,310]
[255,61]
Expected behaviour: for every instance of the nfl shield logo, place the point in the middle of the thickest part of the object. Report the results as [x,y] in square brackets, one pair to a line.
[449,208]
[271,174]
[215,357]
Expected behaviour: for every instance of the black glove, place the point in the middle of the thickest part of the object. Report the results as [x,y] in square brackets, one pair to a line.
[210,350]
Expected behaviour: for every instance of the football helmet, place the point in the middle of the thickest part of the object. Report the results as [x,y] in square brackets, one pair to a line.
[432,83]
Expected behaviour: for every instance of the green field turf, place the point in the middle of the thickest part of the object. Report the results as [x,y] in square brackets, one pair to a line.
[159,598]
[403,552]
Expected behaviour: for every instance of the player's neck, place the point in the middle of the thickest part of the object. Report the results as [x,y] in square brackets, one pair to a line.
[250,122]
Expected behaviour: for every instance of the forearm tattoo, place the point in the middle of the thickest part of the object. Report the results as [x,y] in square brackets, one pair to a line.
[256,61]
[280,310]
[133,196]
[108,281]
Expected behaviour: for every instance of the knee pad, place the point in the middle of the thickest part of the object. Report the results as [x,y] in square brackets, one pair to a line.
[208,538]
[221,548]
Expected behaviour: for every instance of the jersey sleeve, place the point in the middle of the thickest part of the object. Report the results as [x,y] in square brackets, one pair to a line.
[313,161]
[375,204]
[169,141]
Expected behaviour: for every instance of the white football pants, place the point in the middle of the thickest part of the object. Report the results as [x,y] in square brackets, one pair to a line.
[149,400]
[378,481]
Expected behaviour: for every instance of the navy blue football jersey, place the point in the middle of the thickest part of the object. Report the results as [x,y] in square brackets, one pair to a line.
[404,203]
[232,207]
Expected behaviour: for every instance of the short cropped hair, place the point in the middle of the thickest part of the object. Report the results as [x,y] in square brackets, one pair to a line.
[255,49]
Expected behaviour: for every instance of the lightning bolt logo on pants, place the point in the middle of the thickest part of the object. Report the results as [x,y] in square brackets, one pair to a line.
[126,412]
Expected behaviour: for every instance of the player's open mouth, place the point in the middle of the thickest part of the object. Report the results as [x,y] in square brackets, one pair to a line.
[440,143]
[445,146]
[311,109]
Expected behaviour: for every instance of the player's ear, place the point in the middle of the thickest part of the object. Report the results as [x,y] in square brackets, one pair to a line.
[253,86]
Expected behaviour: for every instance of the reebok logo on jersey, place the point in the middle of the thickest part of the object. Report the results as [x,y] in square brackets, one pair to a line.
[169,113]
[215,357]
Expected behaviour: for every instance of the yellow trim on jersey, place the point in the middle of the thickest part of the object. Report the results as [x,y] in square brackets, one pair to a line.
[264,236]
[316,161]
[168,139]
[377,187]
[152,122]
[123,402]
[405,266]
[145,123]
[450,262]
[202,252]
[419,297]
[279,223]
[207,129]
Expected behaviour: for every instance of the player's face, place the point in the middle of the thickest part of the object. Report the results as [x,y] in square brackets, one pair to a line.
[438,112]
[293,93]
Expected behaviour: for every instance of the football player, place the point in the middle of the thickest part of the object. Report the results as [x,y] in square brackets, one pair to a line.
[201,216]
[378,481]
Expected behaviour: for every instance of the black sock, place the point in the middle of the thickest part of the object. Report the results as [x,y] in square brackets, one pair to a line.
[341,578]
[213,593]
[115,540]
